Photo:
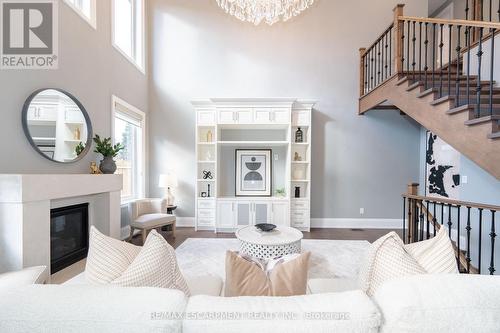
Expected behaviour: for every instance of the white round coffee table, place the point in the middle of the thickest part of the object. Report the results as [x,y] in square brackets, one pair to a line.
[264,245]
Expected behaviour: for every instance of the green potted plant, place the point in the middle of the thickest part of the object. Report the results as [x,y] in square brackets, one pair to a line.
[108,152]
[280,192]
[79,149]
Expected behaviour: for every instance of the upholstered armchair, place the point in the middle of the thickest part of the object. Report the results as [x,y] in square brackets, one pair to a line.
[149,214]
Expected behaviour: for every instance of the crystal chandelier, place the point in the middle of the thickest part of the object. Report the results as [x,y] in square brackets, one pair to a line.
[270,11]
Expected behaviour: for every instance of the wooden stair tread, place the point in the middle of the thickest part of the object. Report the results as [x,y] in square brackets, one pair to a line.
[482,120]
[494,136]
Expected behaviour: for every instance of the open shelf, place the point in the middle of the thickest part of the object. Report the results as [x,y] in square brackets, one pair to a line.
[253,143]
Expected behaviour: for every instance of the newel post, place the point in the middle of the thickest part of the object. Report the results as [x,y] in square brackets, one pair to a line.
[362,71]
[398,38]
[412,212]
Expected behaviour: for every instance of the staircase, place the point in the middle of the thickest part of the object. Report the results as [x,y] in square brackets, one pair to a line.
[459,100]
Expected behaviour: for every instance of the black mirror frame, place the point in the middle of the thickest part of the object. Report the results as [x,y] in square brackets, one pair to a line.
[27,133]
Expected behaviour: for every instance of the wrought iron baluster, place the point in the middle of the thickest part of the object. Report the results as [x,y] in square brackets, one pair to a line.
[442,213]
[378,62]
[468,228]
[468,32]
[491,11]
[441,44]
[434,219]
[413,40]
[426,43]
[479,65]
[408,50]
[480,238]
[428,233]
[390,52]
[371,68]
[366,73]
[458,235]
[492,237]
[403,58]
[449,220]
[492,68]
[458,49]
[404,218]
[420,51]
[386,53]
[450,28]
[421,238]
[467,9]
[433,54]
[410,219]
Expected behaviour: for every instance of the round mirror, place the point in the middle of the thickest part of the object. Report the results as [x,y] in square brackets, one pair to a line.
[57,125]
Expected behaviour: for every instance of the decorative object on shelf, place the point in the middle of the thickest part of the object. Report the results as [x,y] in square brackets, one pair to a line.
[253,172]
[298,174]
[77,134]
[270,11]
[210,137]
[208,191]
[280,192]
[44,118]
[109,152]
[208,155]
[266,227]
[297,157]
[79,148]
[94,169]
[297,191]
[168,181]
[203,194]
[207,174]
[299,136]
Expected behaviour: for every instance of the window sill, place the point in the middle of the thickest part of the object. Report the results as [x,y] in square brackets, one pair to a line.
[130,59]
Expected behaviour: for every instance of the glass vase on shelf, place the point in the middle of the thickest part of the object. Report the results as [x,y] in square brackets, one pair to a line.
[299,136]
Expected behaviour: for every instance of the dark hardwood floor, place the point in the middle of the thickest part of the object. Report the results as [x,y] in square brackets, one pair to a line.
[339,234]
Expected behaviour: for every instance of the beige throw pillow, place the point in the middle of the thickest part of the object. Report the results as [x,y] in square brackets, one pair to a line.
[154,266]
[435,255]
[108,258]
[286,276]
[386,260]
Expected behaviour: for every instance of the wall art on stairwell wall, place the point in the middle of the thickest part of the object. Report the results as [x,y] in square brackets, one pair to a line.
[253,172]
[442,168]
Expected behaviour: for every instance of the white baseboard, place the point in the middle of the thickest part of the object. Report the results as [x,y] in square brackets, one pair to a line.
[328,223]
[346,223]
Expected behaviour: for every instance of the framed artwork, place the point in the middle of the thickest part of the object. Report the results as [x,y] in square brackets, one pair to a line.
[253,172]
[442,169]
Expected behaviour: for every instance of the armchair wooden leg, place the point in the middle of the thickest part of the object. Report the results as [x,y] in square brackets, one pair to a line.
[131,234]
[173,229]
[144,236]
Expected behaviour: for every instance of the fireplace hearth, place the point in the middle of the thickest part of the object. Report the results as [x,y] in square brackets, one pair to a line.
[69,235]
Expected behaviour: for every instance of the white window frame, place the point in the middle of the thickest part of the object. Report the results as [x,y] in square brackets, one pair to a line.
[142,115]
[140,66]
[92,21]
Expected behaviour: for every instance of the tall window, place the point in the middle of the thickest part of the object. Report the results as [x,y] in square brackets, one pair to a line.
[86,9]
[130,131]
[128,30]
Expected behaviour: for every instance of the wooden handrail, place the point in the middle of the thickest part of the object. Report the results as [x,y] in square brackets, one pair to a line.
[467,23]
[379,38]
[453,202]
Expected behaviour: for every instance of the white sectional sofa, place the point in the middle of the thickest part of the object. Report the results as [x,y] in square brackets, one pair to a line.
[422,303]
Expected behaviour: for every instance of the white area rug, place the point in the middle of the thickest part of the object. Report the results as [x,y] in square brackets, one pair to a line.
[330,258]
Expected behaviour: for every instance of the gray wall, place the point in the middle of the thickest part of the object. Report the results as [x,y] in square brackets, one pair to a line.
[199,51]
[90,68]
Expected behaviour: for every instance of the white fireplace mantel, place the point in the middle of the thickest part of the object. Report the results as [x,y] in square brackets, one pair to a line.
[25,204]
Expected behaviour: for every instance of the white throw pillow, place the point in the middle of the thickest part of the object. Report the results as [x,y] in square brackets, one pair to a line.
[25,277]
[154,266]
[435,255]
[108,258]
[386,260]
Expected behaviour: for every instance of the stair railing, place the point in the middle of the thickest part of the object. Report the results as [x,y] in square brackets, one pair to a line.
[439,55]
[467,225]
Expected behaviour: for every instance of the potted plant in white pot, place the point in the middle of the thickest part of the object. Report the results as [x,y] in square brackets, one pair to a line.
[108,152]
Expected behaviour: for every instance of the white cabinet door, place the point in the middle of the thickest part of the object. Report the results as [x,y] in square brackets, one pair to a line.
[263,116]
[206,117]
[281,116]
[226,214]
[280,213]
[300,118]
[227,117]
[48,113]
[243,214]
[244,116]
[261,212]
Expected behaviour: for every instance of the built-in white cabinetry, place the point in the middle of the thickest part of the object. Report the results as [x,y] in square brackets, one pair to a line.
[224,125]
